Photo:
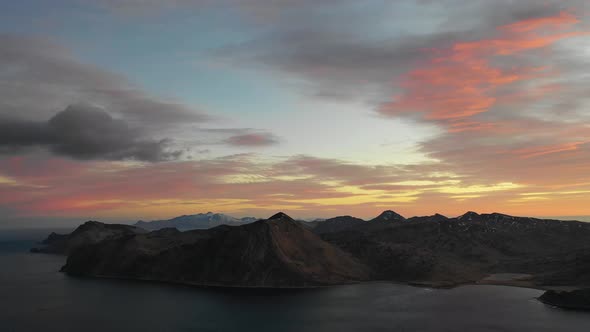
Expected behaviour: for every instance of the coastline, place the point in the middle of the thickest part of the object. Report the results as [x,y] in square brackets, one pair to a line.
[208,285]
[515,280]
[563,306]
[417,284]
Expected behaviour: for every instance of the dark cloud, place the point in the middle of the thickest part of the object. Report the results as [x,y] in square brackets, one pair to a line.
[83,132]
[39,77]
[36,69]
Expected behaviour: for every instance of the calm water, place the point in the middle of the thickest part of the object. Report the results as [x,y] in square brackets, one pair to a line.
[35,297]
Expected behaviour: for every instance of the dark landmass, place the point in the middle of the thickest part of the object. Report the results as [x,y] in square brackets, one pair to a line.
[277,252]
[435,217]
[442,251]
[90,232]
[311,224]
[337,224]
[576,299]
[433,251]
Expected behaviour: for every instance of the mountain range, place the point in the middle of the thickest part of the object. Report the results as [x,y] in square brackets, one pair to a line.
[281,252]
[195,221]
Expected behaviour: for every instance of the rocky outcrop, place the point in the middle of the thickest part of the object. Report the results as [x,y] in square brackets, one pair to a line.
[576,299]
[90,232]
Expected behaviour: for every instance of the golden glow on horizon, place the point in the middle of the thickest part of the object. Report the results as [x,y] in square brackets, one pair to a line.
[457,190]
[351,200]
[244,178]
[7,181]
[422,183]
[573,192]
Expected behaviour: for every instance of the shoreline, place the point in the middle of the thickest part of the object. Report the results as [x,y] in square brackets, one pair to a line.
[518,282]
[207,285]
[415,284]
[563,306]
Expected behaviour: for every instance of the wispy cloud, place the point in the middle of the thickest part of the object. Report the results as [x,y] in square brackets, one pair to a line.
[253,139]
[461,81]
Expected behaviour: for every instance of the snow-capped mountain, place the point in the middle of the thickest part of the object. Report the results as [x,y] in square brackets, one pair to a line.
[195,221]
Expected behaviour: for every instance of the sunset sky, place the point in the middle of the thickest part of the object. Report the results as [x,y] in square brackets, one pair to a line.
[120,110]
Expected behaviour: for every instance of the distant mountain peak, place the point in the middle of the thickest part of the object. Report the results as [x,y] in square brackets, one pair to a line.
[389,215]
[280,215]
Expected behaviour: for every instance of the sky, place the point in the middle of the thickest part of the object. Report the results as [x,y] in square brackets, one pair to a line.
[121,110]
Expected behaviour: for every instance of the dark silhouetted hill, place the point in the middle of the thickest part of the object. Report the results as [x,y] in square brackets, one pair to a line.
[277,252]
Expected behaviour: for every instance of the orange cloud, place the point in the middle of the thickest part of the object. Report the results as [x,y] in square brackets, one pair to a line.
[462,80]
[547,149]
[562,20]
[462,125]
[301,185]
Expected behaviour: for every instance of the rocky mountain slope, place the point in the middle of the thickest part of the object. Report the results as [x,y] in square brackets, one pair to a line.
[90,232]
[277,252]
[441,251]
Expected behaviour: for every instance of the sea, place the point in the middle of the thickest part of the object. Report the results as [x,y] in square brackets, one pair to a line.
[35,296]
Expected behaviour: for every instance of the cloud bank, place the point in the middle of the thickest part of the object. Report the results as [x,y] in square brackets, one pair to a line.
[83,132]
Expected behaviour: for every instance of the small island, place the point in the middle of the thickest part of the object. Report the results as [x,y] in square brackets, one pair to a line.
[578,299]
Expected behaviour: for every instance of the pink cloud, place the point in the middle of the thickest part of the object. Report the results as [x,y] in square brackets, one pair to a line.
[462,80]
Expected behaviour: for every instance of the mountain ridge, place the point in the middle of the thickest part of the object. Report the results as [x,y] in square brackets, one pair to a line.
[283,252]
